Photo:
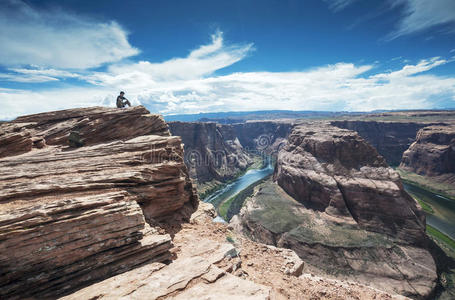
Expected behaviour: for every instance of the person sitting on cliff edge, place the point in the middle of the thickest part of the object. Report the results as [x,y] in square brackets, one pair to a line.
[122,101]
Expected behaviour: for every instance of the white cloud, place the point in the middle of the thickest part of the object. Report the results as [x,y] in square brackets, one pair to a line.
[36,75]
[26,78]
[190,85]
[200,62]
[420,15]
[337,5]
[407,70]
[342,86]
[417,15]
[58,39]
[45,72]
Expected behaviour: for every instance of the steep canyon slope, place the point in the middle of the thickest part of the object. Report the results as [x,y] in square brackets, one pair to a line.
[390,139]
[97,203]
[433,155]
[344,211]
[215,153]
[73,215]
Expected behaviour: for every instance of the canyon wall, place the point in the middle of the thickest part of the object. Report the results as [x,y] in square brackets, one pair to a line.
[267,136]
[433,152]
[211,151]
[221,151]
[432,157]
[390,139]
[81,190]
[344,211]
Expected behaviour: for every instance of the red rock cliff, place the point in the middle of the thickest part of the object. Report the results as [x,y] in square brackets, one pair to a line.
[72,215]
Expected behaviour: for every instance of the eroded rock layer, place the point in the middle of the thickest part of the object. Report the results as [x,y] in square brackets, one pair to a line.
[348,215]
[220,151]
[390,139]
[73,215]
[211,152]
[336,171]
[433,152]
[267,136]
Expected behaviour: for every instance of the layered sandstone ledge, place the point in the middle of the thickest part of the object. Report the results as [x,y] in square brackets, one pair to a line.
[390,139]
[344,211]
[80,192]
[207,266]
[433,155]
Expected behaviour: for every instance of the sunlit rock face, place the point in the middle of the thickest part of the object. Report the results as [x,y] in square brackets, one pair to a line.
[343,210]
[334,170]
[81,190]
[433,152]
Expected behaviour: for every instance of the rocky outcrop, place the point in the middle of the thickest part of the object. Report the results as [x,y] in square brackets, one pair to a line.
[336,171]
[206,266]
[220,151]
[348,215]
[91,125]
[390,139]
[433,152]
[74,213]
[212,152]
[267,136]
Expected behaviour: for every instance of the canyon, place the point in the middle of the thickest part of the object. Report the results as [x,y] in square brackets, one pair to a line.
[216,153]
[344,211]
[103,203]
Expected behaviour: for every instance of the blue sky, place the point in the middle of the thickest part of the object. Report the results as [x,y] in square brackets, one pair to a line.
[206,56]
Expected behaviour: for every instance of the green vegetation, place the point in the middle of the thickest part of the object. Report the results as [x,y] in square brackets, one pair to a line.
[447,264]
[426,183]
[208,188]
[232,206]
[223,208]
[280,213]
[230,239]
[425,206]
[433,232]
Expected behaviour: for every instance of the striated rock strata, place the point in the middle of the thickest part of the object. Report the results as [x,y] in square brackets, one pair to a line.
[390,139]
[73,215]
[267,136]
[211,151]
[207,267]
[219,152]
[339,206]
[433,153]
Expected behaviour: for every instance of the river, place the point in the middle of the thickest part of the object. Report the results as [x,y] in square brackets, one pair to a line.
[232,189]
[443,217]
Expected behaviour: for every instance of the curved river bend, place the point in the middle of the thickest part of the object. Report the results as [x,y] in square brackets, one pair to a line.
[443,218]
[241,183]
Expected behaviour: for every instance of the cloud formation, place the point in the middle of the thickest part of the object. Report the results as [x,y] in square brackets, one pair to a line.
[337,5]
[191,84]
[342,86]
[49,38]
[416,16]
[420,15]
[36,75]
[200,62]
